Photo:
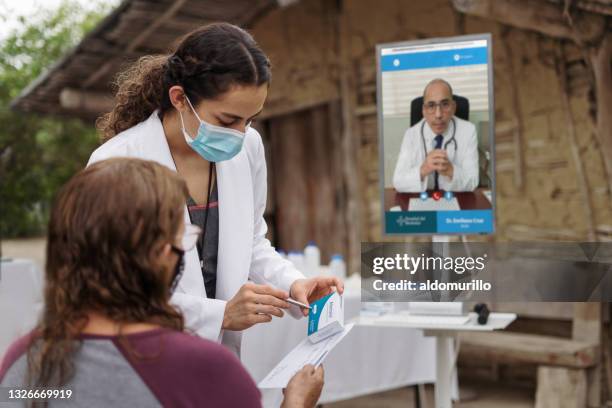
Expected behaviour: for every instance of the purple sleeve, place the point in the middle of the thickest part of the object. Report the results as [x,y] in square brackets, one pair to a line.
[188,371]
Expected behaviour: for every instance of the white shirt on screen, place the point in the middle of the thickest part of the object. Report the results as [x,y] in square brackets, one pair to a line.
[462,153]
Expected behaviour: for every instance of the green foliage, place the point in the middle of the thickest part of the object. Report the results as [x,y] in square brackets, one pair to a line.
[38,154]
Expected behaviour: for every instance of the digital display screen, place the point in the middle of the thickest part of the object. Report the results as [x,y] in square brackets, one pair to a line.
[436,126]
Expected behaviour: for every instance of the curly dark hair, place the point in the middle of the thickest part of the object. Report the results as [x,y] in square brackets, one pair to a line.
[107,228]
[206,63]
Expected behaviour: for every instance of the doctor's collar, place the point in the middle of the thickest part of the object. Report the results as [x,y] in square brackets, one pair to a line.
[447,132]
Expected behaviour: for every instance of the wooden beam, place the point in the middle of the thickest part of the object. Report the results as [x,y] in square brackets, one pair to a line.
[286,3]
[509,347]
[284,106]
[88,101]
[132,45]
[540,16]
[600,7]
[527,232]
[572,142]
[599,59]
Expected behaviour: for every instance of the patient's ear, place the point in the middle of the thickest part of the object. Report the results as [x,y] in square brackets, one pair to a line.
[166,250]
[165,257]
[167,260]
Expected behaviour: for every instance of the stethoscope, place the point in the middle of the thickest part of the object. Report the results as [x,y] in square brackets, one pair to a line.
[452,139]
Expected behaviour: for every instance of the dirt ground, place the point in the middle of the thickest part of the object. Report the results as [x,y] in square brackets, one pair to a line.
[31,248]
[481,395]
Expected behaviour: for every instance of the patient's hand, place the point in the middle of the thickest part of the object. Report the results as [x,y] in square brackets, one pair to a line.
[304,389]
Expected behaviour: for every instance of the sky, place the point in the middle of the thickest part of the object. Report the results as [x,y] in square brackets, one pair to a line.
[12,9]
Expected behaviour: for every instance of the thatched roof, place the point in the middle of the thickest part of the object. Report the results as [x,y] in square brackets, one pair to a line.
[79,84]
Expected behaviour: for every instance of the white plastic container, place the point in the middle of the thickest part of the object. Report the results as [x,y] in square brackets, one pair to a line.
[312,259]
[337,267]
[377,308]
[297,258]
[437,308]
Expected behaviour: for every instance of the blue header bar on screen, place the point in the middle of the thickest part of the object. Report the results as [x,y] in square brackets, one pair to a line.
[434,59]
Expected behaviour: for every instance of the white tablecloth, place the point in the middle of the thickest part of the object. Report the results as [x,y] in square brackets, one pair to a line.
[21,287]
[368,360]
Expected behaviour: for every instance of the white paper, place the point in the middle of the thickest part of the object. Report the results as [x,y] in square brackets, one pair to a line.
[416,204]
[303,354]
[489,195]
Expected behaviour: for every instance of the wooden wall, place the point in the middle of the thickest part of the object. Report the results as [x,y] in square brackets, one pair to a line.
[549,186]
[305,180]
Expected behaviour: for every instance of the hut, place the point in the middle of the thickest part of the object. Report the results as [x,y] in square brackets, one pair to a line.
[553,92]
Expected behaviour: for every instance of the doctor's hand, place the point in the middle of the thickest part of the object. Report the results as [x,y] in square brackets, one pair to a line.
[304,389]
[253,304]
[445,168]
[434,161]
[311,289]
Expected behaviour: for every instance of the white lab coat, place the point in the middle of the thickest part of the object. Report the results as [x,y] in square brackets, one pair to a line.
[407,177]
[244,252]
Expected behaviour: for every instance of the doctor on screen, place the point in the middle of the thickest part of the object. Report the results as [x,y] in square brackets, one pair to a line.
[440,152]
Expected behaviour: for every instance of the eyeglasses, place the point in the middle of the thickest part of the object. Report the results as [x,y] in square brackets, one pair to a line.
[190,236]
[445,105]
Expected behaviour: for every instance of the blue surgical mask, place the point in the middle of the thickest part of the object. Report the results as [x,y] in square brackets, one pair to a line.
[213,143]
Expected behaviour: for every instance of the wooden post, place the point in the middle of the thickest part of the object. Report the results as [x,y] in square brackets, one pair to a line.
[587,326]
[560,387]
[600,58]
[350,142]
[517,137]
[572,141]
[607,356]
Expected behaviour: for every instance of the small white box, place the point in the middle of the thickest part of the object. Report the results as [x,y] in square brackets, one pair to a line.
[326,317]
[437,308]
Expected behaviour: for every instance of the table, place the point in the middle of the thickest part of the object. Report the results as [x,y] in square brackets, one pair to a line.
[375,357]
[445,335]
[468,200]
[368,360]
[21,289]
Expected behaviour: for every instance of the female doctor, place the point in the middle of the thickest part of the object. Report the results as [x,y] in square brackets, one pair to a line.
[191,111]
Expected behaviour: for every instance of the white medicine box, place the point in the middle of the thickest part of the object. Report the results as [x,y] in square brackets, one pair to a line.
[326,317]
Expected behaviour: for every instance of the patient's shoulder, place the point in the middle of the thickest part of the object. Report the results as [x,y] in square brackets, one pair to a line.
[16,350]
[204,372]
